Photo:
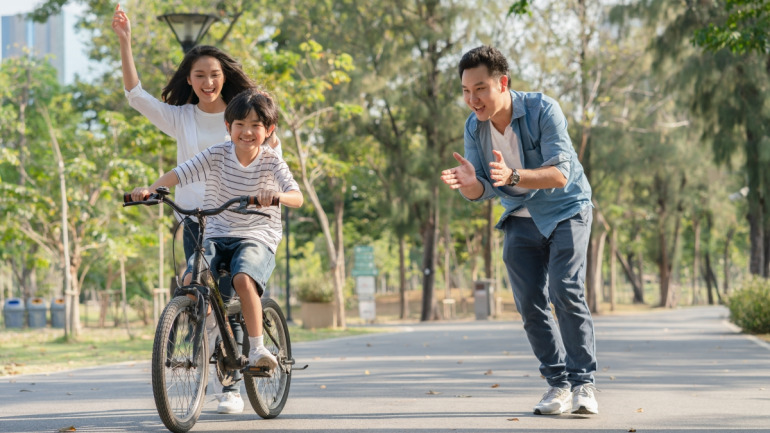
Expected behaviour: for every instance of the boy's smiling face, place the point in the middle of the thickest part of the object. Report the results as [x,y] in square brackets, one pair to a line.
[249,133]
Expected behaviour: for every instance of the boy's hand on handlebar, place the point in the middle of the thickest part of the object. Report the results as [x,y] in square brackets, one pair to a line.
[140,193]
[267,198]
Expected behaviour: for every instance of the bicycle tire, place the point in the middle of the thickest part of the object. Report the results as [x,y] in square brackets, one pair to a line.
[268,395]
[178,381]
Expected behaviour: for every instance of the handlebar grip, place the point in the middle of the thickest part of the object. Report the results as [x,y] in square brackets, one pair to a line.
[127,197]
[253,200]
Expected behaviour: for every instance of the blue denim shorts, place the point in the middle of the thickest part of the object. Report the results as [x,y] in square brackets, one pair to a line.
[245,256]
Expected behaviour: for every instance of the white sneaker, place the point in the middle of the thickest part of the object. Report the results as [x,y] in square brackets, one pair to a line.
[555,401]
[584,400]
[261,357]
[231,402]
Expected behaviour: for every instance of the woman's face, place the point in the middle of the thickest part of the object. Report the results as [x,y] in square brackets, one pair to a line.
[207,78]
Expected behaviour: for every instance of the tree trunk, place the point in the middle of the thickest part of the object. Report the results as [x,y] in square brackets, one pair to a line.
[123,294]
[663,268]
[339,269]
[628,269]
[757,236]
[403,298]
[726,259]
[711,278]
[329,237]
[429,234]
[696,262]
[613,267]
[71,311]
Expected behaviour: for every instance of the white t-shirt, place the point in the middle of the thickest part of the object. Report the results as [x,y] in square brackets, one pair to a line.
[193,130]
[508,145]
[224,178]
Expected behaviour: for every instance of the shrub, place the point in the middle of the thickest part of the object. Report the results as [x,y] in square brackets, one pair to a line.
[309,290]
[750,306]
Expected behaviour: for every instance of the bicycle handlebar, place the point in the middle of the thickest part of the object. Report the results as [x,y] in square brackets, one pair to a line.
[160,197]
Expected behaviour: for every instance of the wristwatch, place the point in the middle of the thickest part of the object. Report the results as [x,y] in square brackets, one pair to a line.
[515,178]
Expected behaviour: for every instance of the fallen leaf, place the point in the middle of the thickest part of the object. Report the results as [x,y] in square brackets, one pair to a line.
[460,362]
[366,372]
[632,429]
[66,429]
[69,393]
[495,386]
[463,396]
[368,344]
[433,393]
[465,337]
[488,373]
[605,368]
[505,352]
[323,386]
[612,377]
[25,390]
[513,419]
[542,377]
[640,410]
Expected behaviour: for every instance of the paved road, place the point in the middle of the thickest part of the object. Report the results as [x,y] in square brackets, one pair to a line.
[682,370]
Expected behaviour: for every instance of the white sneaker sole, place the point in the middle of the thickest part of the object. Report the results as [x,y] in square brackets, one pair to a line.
[229,411]
[559,411]
[266,362]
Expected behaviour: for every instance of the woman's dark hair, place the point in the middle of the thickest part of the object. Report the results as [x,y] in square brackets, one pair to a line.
[179,92]
[252,100]
[493,59]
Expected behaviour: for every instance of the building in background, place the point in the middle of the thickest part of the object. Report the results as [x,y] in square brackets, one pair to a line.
[42,40]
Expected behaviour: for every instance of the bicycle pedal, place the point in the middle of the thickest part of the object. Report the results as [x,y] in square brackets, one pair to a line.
[257,371]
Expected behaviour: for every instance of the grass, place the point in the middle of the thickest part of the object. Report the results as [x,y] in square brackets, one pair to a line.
[44,350]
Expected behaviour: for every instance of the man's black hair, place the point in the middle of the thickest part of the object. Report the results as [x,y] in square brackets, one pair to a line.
[252,99]
[485,55]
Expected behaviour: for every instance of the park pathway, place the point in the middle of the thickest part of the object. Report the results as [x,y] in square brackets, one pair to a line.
[668,371]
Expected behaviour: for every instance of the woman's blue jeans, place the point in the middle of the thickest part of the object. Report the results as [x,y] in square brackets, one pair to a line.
[545,271]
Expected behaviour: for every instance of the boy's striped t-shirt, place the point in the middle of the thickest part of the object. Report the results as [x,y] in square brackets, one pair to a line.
[226,178]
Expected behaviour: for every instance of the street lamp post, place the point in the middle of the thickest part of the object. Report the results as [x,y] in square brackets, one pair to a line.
[189,29]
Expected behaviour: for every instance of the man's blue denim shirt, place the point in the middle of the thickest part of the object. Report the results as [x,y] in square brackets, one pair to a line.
[541,128]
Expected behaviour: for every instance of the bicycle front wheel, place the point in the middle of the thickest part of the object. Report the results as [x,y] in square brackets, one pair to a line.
[268,395]
[179,365]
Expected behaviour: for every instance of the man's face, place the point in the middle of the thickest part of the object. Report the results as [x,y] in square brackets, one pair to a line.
[484,94]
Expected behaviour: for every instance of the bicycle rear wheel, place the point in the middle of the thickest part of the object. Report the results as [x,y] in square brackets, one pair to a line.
[268,395]
[179,365]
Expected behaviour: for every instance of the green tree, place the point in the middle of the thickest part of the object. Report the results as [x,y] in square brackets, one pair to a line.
[742,29]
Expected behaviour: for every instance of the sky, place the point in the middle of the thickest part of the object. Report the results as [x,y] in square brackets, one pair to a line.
[74,46]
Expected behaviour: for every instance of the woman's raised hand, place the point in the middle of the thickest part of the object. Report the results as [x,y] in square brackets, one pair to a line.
[121,25]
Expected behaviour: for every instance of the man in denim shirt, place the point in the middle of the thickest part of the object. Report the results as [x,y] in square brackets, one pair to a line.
[517,148]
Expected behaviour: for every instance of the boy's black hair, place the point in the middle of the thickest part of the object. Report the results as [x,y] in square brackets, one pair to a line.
[252,99]
[485,55]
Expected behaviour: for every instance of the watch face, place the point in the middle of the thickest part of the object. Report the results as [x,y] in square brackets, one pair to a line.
[514,179]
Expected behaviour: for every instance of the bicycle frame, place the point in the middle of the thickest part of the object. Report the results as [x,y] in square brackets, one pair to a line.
[198,288]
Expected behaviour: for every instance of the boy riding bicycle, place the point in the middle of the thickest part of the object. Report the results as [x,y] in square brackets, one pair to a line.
[242,166]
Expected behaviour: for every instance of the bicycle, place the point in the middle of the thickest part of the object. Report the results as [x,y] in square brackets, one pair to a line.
[179,364]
